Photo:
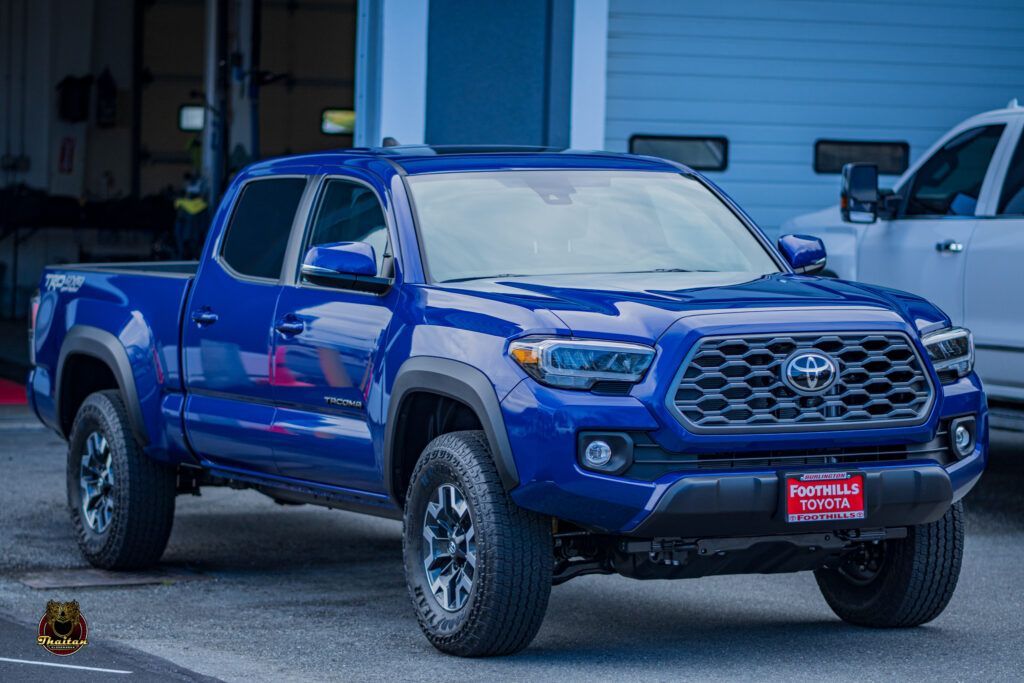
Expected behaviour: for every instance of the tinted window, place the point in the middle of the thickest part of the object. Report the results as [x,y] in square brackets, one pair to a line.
[949,183]
[349,212]
[1011,202]
[700,153]
[892,158]
[258,233]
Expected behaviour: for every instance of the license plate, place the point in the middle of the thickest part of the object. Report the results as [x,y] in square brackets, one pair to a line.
[824,496]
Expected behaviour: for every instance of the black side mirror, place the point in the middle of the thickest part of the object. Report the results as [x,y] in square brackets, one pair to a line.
[858,201]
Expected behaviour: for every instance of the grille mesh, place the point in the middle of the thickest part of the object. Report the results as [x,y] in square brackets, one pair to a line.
[732,383]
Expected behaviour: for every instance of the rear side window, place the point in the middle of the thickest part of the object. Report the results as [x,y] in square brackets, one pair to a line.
[258,233]
[949,183]
[1011,202]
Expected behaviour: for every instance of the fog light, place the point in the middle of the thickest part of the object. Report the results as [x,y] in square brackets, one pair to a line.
[598,454]
[963,438]
[963,431]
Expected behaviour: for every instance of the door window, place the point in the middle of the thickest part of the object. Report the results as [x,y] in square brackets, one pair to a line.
[256,238]
[1011,203]
[350,212]
[949,183]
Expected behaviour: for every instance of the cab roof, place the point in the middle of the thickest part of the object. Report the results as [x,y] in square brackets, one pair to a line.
[417,159]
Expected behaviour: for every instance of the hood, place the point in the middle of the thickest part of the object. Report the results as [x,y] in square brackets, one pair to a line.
[641,306]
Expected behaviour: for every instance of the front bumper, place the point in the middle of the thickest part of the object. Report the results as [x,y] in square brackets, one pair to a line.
[543,425]
[750,505]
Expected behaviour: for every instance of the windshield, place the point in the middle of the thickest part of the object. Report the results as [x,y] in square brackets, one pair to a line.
[521,223]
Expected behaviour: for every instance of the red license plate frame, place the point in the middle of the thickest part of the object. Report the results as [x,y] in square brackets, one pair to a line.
[823,497]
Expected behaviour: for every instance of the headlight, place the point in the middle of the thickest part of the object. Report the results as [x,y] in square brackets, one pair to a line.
[579,364]
[951,351]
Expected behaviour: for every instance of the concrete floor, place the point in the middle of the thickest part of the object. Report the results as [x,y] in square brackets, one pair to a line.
[300,593]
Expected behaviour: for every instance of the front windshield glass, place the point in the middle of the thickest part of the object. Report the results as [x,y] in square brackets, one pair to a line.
[522,223]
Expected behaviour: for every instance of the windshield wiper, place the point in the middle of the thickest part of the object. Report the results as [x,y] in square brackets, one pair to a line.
[482,277]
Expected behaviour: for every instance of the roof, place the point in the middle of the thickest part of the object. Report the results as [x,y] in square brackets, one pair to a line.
[414,159]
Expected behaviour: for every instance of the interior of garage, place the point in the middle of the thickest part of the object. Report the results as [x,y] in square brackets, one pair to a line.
[115,109]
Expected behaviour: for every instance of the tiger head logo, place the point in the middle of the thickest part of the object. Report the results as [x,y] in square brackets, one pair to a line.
[62,617]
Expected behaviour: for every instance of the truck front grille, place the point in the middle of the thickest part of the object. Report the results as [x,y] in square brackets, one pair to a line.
[735,384]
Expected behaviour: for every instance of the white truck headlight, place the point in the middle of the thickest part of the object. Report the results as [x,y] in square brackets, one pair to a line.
[951,351]
[578,363]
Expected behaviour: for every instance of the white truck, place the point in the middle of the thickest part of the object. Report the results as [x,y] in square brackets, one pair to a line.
[951,230]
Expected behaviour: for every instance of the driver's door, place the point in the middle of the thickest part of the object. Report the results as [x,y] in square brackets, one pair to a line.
[922,249]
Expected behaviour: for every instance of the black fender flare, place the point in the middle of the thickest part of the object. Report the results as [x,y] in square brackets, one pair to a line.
[87,340]
[459,381]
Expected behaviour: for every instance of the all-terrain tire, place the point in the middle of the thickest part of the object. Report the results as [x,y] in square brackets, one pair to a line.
[511,581]
[913,584]
[143,490]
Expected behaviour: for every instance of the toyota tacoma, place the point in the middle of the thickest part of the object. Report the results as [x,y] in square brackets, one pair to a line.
[547,364]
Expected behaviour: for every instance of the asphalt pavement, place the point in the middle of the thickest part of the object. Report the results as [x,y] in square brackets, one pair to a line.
[255,591]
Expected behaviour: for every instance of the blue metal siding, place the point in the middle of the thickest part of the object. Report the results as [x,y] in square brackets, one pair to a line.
[491,68]
[773,77]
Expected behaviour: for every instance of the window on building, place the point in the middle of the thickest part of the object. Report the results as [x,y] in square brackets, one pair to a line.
[892,158]
[949,183]
[699,153]
[1011,202]
[350,212]
[258,233]
[337,122]
[191,117]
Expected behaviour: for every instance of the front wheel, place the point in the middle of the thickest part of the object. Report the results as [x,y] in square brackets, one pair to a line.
[898,583]
[478,566]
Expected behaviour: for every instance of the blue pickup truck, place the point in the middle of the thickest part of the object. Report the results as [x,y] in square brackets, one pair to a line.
[547,364]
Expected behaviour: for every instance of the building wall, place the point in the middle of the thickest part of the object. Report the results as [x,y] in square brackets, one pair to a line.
[773,77]
[496,72]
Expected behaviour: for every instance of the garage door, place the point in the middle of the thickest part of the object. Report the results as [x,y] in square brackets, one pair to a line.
[773,78]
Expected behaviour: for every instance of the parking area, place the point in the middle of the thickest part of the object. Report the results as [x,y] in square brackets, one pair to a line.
[254,590]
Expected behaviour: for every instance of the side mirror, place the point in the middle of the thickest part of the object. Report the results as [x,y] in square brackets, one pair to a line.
[858,200]
[350,265]
[805,254]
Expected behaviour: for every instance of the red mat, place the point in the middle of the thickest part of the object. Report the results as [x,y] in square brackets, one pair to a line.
[11,393]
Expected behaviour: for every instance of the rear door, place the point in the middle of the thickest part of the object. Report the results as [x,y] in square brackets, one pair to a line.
[228,322]
[329,346]
[994,289]
[922,250]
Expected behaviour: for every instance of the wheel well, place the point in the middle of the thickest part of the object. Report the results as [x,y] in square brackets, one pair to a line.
[82,375]
[422,417]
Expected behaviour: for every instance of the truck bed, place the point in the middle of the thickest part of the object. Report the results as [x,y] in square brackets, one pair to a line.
[125,314]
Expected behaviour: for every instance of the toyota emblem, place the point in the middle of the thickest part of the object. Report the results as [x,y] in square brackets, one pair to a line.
[809,372]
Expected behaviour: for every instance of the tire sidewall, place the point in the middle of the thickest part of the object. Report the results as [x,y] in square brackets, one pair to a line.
[98,415]
[434,470]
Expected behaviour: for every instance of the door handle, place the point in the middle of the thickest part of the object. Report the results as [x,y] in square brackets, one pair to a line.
[950,246]
[289,326]
[204,317]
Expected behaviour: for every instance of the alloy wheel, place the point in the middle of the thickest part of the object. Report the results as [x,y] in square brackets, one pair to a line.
[449,551]
[96,481]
